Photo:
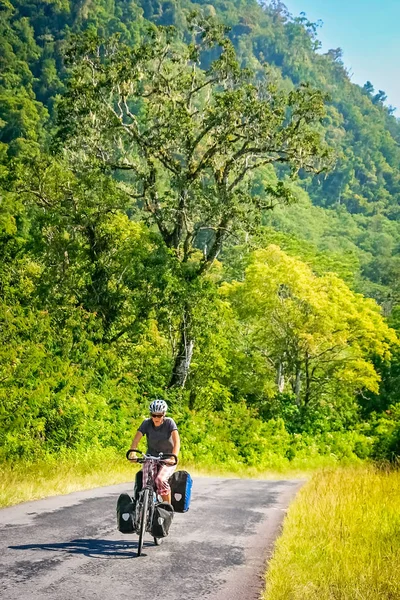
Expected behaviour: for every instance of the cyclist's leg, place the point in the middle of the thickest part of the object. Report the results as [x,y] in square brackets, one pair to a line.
[161,482]
[147,467]
[138,484]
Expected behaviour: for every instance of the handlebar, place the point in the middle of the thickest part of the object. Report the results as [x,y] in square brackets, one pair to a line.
[145,457]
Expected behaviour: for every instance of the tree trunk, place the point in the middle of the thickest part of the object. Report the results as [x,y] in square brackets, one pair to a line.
[297,386]
[308,381]
[184,354]
[280,377]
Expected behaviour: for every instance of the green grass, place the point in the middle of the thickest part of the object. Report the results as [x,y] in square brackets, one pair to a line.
[341,539]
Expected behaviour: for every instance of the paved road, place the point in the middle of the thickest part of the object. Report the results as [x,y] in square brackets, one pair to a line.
[68,548]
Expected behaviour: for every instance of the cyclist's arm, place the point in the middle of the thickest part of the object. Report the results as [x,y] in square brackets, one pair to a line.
[176,440]
[136,440]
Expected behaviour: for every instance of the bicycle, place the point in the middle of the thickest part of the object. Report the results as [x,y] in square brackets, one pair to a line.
[147,496]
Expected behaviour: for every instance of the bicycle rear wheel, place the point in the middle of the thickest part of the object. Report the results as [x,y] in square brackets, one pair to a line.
[143,520]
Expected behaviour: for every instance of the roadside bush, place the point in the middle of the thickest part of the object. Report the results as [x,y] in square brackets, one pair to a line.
[386,429]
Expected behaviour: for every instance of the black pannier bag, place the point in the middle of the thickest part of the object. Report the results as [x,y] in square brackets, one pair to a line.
[138,484]
[181,490]
[162,518]
[126,514]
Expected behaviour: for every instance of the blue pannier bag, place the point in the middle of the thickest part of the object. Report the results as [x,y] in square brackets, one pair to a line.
[181,490]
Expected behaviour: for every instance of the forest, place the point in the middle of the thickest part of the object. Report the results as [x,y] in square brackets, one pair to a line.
[197,204]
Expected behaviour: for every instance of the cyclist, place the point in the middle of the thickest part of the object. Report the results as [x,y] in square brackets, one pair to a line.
[162,436]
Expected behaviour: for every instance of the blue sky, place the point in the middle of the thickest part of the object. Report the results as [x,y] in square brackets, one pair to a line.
[368,31]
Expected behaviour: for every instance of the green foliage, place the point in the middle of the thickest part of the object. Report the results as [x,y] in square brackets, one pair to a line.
[182,139]
[386,430]
[171,149]
[314,330]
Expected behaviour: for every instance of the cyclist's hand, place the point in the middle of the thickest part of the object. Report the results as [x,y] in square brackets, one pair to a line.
[132,455]
[169,462]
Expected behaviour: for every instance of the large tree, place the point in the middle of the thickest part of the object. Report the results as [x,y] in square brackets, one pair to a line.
[182,127]
[316,334]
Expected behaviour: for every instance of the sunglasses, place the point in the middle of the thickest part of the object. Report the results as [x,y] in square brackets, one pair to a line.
[156,416]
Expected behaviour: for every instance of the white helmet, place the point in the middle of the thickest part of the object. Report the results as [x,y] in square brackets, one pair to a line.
[158,406]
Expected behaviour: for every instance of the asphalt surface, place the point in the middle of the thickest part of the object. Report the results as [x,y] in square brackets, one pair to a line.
[68,548]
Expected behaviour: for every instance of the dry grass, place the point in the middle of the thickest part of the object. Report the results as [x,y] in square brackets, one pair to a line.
[24,481]
[341,539]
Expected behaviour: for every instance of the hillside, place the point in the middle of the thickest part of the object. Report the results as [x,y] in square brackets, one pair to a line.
[365,180]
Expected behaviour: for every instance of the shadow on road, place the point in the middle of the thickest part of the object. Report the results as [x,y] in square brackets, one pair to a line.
[90,547]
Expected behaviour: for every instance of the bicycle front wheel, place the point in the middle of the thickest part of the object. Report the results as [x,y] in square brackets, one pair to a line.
[143,520]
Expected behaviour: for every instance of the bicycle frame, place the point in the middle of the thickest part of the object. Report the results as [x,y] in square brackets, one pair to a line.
[152,499]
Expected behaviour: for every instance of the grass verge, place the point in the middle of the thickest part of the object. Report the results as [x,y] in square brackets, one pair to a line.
[341,539]
[66,473]
[22,481]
